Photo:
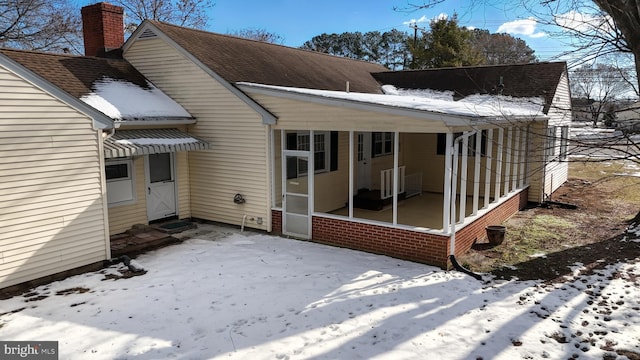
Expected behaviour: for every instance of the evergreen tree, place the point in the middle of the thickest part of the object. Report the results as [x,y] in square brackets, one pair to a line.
[445,45]
[388,48]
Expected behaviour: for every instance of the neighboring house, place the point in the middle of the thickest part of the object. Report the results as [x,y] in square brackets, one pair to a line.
[301,143]
[628,118]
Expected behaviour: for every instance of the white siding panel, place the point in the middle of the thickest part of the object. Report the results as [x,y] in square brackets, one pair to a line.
[183,184]
[237,162]
[299,115]
[51,205]
[557,171]
[121,218]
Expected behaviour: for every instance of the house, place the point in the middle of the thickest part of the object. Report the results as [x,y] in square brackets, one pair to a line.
[628,118]
[278,139]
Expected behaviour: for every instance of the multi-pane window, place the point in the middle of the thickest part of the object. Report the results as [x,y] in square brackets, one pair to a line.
[322,151]
[382,143]
[564,142]
[550,150]
[120,182]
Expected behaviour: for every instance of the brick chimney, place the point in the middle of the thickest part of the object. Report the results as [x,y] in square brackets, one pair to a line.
[103,28]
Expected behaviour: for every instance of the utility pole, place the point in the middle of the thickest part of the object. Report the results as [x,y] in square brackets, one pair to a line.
[414,26]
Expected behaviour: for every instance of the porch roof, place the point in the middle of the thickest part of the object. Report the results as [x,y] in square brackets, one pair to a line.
[150,141]
[448,113]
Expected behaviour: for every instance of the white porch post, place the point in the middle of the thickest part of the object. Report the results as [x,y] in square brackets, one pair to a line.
[523,157]
[448,170]
[476,176]
[508,160]
[272,157]
[516,159]
[488,161]
[396,179]
[351,165]
[499,156]
[311,171]
[463,177]
[454,183]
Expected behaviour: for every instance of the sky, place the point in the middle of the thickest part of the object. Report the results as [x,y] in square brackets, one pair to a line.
[299,21]
[223,294]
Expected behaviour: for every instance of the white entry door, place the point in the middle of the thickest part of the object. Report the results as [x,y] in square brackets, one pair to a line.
[161,186]
[364,161]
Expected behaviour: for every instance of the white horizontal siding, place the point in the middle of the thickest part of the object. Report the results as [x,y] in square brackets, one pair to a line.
[557,172]
[300,115]
[238,160]
[122,217]
[51,204]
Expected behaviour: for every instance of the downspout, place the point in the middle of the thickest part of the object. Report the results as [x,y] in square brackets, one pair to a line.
[111,132]
[452,217]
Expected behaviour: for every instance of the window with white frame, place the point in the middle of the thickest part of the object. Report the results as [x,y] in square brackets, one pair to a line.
[550,150]
[120,181]
[322,151]
[564,142]
[382,143]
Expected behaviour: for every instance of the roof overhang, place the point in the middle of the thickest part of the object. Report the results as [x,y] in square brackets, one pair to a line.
[126,143]
[163,121]
[453,121]
[100,120]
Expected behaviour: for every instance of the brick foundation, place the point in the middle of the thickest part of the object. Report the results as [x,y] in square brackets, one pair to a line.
[476,230]
[404,244]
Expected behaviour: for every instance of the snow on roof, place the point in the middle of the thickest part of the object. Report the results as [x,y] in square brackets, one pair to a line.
[480,105]
[120,99]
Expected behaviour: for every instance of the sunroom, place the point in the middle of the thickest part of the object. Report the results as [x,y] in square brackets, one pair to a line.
[460,165]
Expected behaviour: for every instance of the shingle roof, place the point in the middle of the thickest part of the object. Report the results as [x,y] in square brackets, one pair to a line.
[75,74]
[241,60]
[523,80]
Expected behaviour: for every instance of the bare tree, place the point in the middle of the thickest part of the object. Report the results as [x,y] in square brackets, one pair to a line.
[600,86]
[190,13]
[52,25]
[259,35]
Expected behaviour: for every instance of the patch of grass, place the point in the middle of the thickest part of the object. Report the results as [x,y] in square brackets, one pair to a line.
[539,235]
[607,195]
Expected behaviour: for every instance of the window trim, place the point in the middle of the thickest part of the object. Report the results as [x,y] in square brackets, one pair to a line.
[564,142]
[550,150]
[386,139]
[330,158]
[114,184]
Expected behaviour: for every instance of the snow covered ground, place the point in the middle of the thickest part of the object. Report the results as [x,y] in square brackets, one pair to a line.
[252,296]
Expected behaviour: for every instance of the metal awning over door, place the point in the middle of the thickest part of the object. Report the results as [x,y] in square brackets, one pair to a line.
[151,141]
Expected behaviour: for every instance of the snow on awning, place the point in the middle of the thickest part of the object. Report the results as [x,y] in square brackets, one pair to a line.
[150,141]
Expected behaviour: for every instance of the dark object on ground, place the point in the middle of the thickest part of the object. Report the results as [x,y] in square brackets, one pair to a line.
[561,204]
[458,267]
[495,234]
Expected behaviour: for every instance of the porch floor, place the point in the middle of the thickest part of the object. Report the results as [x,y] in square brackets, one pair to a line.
[423,210]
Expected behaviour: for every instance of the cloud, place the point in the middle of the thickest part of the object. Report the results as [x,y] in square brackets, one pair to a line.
[414,21]
[525,27]
[583,22]
[441,16]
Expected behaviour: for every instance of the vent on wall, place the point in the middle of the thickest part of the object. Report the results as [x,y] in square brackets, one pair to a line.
[147,34]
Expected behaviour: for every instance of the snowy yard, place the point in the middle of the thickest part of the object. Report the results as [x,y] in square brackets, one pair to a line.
[253,296]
